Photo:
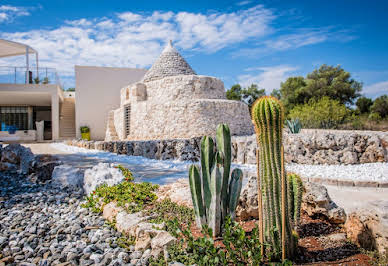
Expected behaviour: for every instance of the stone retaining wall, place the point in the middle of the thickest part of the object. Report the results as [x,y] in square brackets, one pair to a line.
[307,147]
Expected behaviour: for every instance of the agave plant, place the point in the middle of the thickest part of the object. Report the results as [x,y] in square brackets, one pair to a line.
[215,190]
[294,125]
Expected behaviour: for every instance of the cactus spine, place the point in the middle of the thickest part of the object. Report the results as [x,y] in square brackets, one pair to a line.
[215,190]
[276,223]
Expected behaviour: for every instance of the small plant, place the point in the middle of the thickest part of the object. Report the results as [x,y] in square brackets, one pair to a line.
[84,129]
[294,125]
[214,190]
[131,196]
[236,248]
[36,80]
[295,186]
[162,211]
[126,173]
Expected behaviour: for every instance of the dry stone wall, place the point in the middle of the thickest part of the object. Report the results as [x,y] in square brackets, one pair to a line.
[307,147]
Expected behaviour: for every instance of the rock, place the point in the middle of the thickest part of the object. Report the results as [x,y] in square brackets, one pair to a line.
[248,206]
[178,192]
[102,173]
[368,230]
[110,211]
[316,202]
[162,239]
[143,242]
[42,170]
[135,255]
[16,157]
[126,223]
[9,167]
[67,176]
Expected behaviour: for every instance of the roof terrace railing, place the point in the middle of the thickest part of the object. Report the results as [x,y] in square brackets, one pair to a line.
[18,75]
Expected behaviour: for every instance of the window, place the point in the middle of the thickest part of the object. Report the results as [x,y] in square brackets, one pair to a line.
[127,119]
[13,117]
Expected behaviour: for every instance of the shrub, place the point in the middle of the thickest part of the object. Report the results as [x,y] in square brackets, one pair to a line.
[380,106]
[324,113]
[375,117]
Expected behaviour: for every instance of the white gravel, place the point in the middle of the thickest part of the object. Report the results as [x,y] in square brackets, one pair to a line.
[365,172]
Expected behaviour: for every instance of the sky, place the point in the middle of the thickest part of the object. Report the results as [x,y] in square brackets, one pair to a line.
[245,41]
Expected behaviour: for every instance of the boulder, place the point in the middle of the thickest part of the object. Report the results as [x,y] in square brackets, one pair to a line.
[42,171]
[127,222]
[368,230]
[110,211]
[67,176]
[102,173]
[16,155]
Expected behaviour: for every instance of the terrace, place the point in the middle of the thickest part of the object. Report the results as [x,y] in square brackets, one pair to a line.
[28,94]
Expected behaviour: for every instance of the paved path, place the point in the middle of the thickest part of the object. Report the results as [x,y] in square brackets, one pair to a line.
[154,171]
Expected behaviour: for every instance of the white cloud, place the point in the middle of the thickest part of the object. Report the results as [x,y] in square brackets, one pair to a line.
[8,13]
[376,89]
[135,40]
[268,78]
[302,37]
[243,3]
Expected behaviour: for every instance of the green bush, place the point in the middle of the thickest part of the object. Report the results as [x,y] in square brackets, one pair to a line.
[380,106]
[363,104]
[375,117]
[131,196]
[324,113]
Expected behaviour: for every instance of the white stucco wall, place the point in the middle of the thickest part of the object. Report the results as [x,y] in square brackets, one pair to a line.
[97,92]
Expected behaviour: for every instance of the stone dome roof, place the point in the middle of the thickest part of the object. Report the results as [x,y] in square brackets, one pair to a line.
[169,63]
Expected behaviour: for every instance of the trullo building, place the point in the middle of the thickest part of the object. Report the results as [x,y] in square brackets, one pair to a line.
[172,101]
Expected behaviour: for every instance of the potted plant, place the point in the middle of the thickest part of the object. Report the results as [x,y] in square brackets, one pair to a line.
[85,132]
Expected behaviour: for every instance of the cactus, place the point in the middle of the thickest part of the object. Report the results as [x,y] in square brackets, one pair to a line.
[276,221]
[215,190]
[295,186]
[294,126]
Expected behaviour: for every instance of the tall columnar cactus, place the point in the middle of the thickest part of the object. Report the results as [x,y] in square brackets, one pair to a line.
[276,220]
[214,189]
[295,190]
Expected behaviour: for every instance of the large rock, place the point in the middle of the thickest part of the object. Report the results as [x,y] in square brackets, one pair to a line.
[16,157]
[368,229]
[315,202]
[68,176]
[102,173]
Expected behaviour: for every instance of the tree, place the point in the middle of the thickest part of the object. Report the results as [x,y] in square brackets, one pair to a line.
[247,95]
[234,93]
[363,104]
[330,81]
[380,106]
[70,89]
[276,93]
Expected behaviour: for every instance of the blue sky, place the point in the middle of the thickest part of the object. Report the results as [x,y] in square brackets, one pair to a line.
[261,42]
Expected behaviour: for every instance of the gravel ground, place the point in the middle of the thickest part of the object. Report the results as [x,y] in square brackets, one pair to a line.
[366,172]
[45,225]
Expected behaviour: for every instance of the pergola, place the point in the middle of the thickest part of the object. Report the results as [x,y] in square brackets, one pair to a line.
[10,48]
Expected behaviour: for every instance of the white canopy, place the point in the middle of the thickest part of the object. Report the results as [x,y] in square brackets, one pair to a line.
[10,48]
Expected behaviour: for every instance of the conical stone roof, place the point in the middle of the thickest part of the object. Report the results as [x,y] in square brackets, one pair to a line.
[169,63]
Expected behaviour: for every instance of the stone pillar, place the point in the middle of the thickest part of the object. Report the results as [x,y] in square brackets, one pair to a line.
[55,115]
[30,117]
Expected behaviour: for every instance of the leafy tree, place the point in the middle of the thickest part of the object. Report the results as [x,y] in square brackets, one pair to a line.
[363,104]
[247,95]
[70,89]
[234,93]
[330,81]
[276,93]
[380,106]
